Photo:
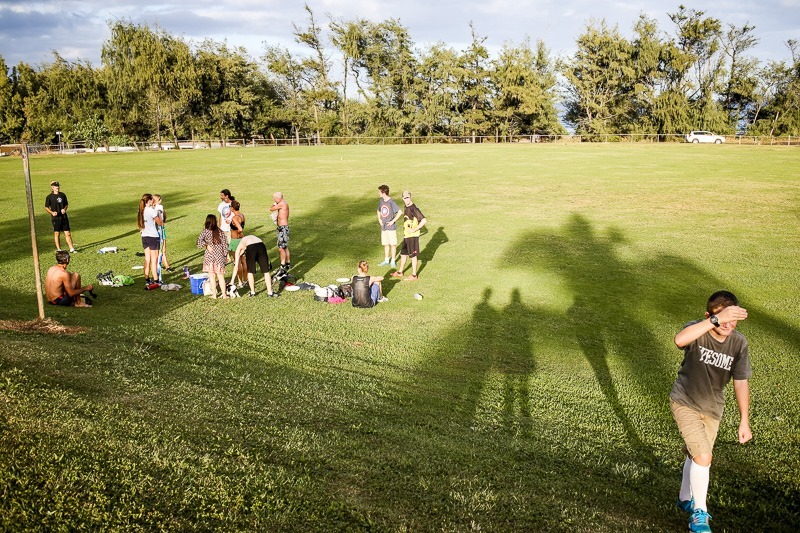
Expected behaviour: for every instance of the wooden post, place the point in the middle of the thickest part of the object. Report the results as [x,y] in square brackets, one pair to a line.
[32,221]
[23,148]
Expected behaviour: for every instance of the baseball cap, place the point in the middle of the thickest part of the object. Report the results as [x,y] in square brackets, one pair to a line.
[55,184]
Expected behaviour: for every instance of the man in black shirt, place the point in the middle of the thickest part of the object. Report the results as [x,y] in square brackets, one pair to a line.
[56,204]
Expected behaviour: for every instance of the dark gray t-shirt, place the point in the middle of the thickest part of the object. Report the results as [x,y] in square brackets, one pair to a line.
[388,210]
[708,365]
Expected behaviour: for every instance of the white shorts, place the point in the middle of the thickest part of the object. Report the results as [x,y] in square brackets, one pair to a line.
[389,237]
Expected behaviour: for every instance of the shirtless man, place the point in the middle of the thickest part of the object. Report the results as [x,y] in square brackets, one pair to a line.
[64,288]
[281,209]
[254,251]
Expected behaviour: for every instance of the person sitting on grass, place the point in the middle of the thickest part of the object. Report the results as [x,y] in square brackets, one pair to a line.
[255,251]
[367,291]
[713,354]
[64,288]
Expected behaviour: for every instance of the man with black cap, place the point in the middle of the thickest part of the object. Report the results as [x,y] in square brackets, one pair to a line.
[56,204]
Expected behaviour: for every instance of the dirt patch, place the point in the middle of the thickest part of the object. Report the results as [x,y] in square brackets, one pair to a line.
[48,325]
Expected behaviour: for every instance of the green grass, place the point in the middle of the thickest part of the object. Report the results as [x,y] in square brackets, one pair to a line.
[527,391]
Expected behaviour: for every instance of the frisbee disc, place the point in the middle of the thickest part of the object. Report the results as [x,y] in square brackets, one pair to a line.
[292,288]
[342,280]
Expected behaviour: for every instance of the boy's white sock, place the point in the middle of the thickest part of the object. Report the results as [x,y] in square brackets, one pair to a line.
[686,488]
[698,478]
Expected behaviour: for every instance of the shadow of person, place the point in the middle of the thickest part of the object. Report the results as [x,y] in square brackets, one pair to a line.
[437,239]
[607,293]
[332,231]
[477,354]
[515,363]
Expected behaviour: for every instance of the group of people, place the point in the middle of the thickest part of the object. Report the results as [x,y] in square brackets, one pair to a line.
[224,237]
[389,214]
[714,353]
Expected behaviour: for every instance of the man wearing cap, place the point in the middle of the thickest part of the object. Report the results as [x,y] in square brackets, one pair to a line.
[56,204]
[413,221]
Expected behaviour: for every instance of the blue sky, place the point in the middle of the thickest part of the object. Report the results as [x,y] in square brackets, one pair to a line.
[77,29]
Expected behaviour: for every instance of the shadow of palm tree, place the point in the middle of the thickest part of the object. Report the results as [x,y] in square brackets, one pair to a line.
[603,318]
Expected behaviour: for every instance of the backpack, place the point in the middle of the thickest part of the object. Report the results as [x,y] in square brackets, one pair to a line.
[361,295]
[346,290]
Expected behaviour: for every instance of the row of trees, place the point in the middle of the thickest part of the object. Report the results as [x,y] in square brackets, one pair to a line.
[153,86]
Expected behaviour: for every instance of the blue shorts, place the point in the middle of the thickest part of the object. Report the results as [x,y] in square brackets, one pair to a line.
[374,293]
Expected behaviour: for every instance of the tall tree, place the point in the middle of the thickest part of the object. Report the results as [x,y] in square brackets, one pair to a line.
[778,110]
[151,80]
[230,91]
[599,78]
[524,96]
[66,94]
[321,91]
[12,117]
[474,86]
[348,37]
[738,94]
[436,89]
[698,37]
[387,66]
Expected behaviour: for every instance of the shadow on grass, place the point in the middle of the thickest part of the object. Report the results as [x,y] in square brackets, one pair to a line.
[438,238]
[341,228]
[15,234]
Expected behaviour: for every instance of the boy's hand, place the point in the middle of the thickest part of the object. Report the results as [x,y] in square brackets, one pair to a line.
[744,432]
[731,314]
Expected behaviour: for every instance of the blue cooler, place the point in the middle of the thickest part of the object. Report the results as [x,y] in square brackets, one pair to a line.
[196,281]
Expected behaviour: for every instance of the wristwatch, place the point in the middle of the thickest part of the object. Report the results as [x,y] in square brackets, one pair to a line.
[714,320]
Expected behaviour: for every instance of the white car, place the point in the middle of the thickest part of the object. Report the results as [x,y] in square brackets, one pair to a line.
[704,137]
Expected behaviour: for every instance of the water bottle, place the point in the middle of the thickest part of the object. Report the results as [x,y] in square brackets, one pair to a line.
[186,272]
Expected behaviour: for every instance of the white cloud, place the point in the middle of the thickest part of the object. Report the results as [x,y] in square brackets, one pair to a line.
[29,30]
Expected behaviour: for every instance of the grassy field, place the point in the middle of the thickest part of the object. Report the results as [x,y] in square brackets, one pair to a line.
[527,391]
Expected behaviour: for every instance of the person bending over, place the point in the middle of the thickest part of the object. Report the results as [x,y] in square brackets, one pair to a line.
[255,252]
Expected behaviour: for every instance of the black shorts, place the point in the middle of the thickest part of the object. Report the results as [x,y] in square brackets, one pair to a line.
[151,243]
[60,223]
[64,300]
[257,253]
[410,246]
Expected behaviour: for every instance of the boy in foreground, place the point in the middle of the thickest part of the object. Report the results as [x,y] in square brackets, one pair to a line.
[713,354]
